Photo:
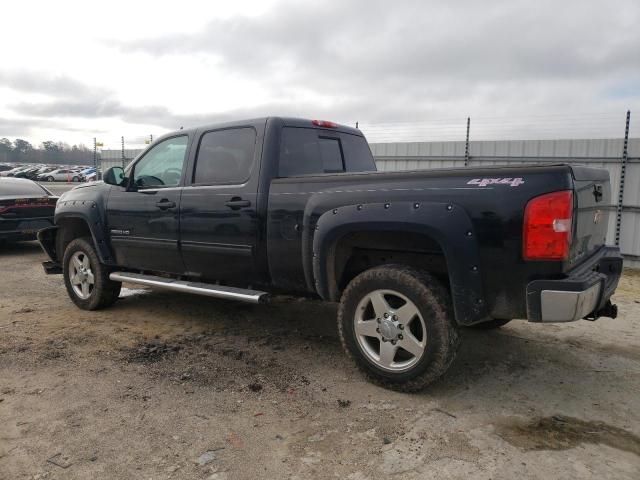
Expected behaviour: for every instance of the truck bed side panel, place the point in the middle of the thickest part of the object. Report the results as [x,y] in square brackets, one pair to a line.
[495,209]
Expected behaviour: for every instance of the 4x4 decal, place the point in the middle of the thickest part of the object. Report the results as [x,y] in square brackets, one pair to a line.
[483,182]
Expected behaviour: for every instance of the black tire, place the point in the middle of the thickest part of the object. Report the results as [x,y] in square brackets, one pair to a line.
[50,179]
[75,179]
[104,291]
[491,324]
[432,301]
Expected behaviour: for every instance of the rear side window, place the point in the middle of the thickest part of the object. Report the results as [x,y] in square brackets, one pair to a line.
[309,151]
[225,156]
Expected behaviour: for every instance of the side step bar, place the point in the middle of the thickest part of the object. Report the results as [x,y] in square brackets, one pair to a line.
[230,293]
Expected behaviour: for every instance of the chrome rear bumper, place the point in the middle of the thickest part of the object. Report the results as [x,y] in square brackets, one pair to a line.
[563,306]
[584,293]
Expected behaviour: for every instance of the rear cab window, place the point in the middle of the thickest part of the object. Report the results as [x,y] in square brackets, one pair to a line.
[313,151]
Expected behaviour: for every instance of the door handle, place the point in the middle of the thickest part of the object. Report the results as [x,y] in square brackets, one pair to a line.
[236,203]
[165,204]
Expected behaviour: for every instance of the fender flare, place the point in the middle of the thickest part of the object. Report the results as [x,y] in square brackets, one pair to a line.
[88,211]
[446,223]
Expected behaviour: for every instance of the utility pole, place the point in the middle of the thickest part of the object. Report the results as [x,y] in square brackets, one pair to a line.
[95,154]
[623,171]
[466,144]
[123,158]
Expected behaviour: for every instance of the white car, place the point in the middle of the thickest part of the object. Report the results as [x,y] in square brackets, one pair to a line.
[61,175]
[92,177]
[12,172]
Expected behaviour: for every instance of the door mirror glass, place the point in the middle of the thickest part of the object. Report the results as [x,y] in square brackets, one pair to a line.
[114,176]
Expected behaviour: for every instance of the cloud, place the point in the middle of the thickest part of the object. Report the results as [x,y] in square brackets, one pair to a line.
[368,60]
[32,81]
[374,41]
[414,59]
[23,127]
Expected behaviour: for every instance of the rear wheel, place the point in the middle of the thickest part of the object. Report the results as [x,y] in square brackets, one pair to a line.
[50,179]
[491,324]
[397,324]
[75,179]
[86,279]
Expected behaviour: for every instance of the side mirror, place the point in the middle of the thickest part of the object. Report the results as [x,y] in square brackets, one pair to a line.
[114,176]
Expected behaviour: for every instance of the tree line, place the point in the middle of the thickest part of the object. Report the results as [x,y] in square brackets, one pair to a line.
[21,151]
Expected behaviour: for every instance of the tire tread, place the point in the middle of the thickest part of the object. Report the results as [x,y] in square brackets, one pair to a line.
[106,291]
[436,296]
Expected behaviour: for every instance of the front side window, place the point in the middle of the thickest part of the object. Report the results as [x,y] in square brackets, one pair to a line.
[162,165]
[225,156]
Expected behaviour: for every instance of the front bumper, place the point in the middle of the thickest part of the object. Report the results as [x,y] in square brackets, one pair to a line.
[585,293]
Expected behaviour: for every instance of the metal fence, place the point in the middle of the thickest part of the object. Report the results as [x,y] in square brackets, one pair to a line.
[117,158]
[600,153]
[394,148]
[111,151]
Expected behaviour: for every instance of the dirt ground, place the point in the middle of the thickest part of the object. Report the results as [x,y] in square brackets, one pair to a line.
[167,385]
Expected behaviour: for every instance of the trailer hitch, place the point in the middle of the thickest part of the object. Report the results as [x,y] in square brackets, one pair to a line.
[609,310]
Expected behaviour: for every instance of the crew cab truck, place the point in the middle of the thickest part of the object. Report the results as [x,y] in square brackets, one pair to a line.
[244,209]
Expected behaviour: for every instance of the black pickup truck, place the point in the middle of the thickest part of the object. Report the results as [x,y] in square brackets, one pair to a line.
[244,209]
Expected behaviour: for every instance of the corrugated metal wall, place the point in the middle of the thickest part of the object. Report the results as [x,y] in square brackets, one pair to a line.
[600,153]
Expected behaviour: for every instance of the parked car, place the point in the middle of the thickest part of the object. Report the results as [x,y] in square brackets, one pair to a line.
[86,173]
[243,209]
[45,169]
[92,176]
[61,175]
[29,173]
[13,171]
[25,208]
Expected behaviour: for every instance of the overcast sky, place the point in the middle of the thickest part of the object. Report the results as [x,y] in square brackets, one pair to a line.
[71,70]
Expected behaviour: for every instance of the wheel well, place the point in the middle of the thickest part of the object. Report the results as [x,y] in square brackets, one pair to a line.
[359,251]
[70,229]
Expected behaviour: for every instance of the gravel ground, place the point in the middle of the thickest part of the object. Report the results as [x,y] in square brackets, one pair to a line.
[165,385]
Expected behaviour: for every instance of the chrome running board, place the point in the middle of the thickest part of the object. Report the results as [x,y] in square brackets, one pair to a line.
[218,291]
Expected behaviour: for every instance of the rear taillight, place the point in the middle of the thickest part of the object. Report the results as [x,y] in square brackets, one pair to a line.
[548,222]
[25,203]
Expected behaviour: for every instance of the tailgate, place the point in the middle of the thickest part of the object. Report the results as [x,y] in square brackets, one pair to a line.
[593,206]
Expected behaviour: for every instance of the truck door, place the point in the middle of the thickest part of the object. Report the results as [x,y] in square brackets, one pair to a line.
[143,218]
[218,216]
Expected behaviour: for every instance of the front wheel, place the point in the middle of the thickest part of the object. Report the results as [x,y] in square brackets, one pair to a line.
[50,179]
[75,179]
[86,279]
[397,325]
